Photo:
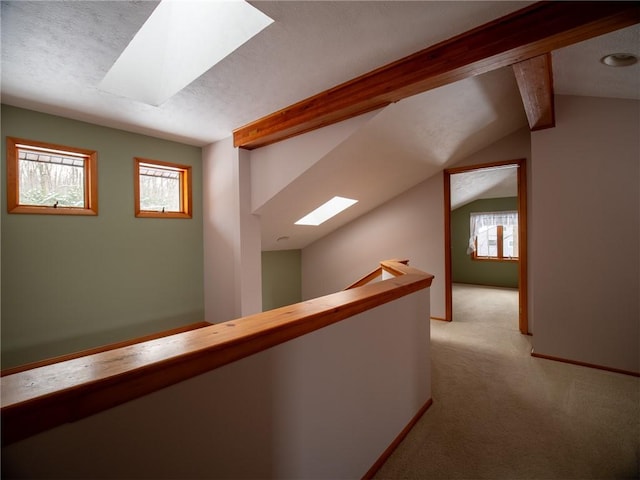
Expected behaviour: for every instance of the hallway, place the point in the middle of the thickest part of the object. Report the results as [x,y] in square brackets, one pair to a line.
[499,413]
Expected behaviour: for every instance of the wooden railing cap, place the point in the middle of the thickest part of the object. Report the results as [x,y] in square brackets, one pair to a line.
[47,396]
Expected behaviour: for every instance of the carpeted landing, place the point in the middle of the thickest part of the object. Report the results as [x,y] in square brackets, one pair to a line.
[499,413]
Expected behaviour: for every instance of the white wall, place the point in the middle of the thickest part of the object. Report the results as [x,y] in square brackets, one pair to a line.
[232,261]
[401,228]
[586,235]
[275,166]
[313,407]
[409,226]
[250,258]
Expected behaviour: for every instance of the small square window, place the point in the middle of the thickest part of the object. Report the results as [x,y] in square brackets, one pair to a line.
[51,179]
[162,189]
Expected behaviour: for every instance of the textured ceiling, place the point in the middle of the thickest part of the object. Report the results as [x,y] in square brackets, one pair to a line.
[578,71]
[54,55]
[483,183]
[394,150]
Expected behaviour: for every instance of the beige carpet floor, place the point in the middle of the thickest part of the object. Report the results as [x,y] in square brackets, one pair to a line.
[499,413]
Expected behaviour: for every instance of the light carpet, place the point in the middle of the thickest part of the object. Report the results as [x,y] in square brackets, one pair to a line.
[499,413]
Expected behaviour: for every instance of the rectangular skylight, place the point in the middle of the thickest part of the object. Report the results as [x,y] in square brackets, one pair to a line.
[326,211]
[180,41]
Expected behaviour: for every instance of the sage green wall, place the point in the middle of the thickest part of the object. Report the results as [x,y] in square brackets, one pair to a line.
[281,278]
[465,270]
[74,282]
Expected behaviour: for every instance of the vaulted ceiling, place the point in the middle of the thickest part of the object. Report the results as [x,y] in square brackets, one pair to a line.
[54,54]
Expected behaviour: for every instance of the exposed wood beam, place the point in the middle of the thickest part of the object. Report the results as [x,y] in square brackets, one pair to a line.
[535,82]
[527,33]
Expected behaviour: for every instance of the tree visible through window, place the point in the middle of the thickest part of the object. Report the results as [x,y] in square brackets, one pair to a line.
[50,179]
[494,236]
[162,189]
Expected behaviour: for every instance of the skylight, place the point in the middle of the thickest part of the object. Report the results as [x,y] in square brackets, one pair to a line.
[180,41]
[326,211]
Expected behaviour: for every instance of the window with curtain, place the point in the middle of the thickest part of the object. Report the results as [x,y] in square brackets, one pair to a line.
[493,236]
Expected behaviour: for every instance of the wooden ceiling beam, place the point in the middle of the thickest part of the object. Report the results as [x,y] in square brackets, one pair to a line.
[524,34]
[535,82]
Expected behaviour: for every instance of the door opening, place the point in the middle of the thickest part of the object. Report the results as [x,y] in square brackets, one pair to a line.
[521,183]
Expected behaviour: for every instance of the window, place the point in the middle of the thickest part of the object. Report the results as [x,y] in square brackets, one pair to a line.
[494,236]
[51,179]
[162,189]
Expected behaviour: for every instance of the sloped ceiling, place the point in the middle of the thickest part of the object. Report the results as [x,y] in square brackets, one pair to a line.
[54,54]
[483,183]
[411,140]
[399,147]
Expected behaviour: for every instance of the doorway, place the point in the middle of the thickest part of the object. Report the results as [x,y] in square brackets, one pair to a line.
[521,184]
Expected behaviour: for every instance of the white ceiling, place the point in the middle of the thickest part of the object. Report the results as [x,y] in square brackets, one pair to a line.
[493,182]
[394,150]
[67,47]
[54,54]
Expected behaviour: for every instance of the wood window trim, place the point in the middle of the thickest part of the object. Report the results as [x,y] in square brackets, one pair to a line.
[185,189]
[90,180]
[500,254]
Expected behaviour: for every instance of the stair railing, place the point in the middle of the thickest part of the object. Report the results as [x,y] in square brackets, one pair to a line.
[47,396]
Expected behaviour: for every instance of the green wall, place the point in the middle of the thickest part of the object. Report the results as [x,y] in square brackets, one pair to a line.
[281,278]
[74,282]
[465,270]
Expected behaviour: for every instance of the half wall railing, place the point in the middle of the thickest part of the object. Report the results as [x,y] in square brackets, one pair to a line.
[48,396]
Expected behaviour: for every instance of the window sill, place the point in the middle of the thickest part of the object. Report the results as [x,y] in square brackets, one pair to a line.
[492,259]
[145,214]
[47,210]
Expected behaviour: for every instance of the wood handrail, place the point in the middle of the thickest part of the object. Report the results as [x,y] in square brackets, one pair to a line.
[397,267]
[48,396]
[374,274]
[102,348]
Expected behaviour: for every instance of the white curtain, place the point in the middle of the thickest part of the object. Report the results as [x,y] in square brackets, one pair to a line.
[488,219]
